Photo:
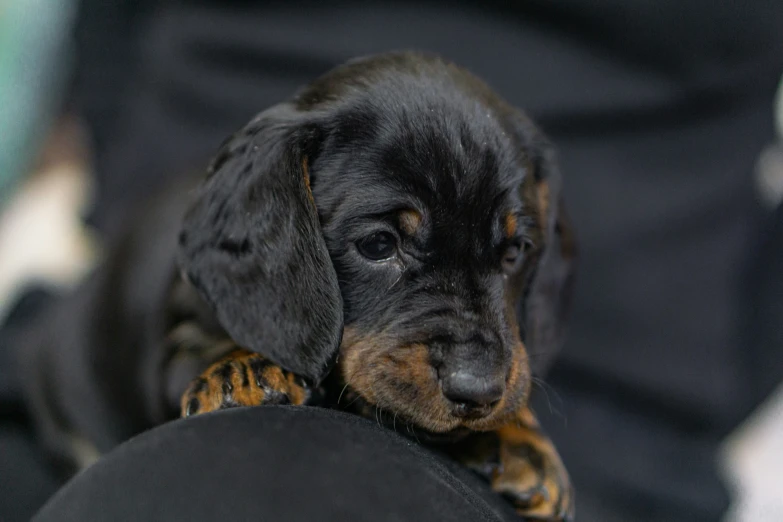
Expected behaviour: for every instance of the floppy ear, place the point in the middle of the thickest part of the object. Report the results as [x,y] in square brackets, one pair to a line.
[544,311]
[251,244]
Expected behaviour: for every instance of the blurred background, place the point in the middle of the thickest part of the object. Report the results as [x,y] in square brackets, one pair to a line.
[666,402]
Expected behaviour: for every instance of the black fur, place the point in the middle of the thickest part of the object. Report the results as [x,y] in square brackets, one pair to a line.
[379,135]
[251,244]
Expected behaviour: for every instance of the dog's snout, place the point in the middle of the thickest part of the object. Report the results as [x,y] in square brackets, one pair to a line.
[473,396]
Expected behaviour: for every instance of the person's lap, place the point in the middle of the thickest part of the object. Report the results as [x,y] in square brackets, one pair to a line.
[274,463]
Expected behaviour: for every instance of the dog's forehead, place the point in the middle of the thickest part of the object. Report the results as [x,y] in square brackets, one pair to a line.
[429,137]
[461,182]
[451,154]
[409,99]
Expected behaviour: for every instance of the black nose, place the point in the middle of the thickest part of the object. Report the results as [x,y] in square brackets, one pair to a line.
[472,396]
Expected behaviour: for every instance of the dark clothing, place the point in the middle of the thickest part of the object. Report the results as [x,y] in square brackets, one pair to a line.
[275,463]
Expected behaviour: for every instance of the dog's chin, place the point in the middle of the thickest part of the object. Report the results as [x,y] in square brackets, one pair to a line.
[429,430]
[423,435]
[436,427]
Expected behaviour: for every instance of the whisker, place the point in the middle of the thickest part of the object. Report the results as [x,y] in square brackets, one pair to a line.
[341,393]
[546,388]
[353,401]
[359,394]
[395,281]
[356,390]
[531,355]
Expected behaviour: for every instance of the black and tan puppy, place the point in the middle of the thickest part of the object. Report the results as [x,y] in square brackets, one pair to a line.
[395,216]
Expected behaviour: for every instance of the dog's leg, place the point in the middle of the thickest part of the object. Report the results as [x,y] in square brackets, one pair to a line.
[522,464]
[531,473]
[242,378]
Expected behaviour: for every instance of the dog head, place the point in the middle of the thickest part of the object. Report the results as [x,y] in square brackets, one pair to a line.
[400,213]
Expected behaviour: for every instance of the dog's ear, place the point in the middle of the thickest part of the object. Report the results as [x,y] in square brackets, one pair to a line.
[252,245]
[543,313]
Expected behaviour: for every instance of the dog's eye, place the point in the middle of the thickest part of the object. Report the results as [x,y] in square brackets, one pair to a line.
[510,258]
[378,246]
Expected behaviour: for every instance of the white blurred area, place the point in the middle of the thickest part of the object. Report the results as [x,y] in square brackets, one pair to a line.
[41,238]
[753,462]
[41,235]
[753,455]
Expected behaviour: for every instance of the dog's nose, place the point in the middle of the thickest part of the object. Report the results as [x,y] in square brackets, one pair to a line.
[472,396]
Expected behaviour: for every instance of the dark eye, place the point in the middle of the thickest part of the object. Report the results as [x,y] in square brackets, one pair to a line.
[510,258]
[379,246]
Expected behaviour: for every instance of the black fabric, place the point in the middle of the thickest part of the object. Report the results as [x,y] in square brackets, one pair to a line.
[654,373]
[205,67]
[26,479]
[762,315]
[21,314]
[107,58]
[273,463]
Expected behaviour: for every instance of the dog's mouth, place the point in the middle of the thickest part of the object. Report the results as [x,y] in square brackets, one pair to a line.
[398,386]
[430,429]
[398,422]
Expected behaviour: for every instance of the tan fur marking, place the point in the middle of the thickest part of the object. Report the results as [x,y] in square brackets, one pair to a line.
[306,172]
[510,227]
[542,194]
[400,378]
[373,366]
[245,390]
[247,395]
[410,221]
[297,394]
[547,487]
[275,378]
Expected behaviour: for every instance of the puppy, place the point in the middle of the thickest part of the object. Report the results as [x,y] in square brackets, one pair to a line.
[396,217]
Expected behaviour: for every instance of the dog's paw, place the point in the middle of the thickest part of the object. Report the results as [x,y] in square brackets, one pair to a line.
[532,475]
[242,378]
